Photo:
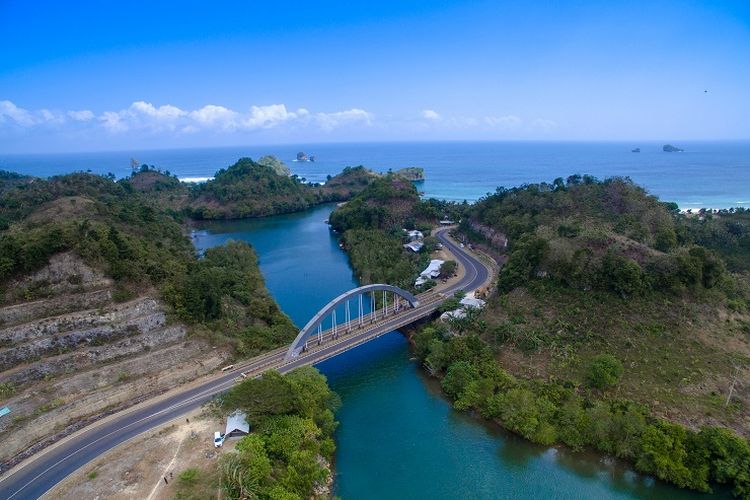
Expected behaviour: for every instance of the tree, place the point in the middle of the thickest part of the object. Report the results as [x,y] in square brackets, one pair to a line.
[622,275]
[458,377]
[604,370]
[448,268]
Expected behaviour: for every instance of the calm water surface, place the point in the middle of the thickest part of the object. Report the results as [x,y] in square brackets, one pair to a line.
[398,437]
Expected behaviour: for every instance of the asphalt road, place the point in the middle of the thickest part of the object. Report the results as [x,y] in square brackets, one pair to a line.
[44,470]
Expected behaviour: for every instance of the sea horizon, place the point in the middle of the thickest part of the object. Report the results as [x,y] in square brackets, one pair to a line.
[675,142]
[708,174]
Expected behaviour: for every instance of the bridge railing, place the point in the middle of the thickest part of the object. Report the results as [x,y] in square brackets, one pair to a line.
[366,311]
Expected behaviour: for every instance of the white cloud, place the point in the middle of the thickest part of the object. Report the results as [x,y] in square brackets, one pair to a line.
[543,125]
[330,121]
[9,112]
[268,116]
[113,121]
[214,116]
[506,122]
[148,119]
[83,115]
[166,112]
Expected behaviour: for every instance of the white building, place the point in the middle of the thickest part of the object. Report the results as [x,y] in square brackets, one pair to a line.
[472,302]
[468,302]
[414,235]
[432,271]
[414,246]
[237,425]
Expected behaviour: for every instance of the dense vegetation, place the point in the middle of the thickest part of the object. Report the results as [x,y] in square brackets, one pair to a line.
[549,412]
[620,322]
[250,189]
[291,441]
[726,232]
[133,239]
[247,189]
[372,225]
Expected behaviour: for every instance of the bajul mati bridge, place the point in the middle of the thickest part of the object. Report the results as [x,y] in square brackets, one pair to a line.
[367,312]
[349,320]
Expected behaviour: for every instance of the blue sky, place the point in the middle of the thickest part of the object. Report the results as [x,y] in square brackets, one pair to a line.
[132,75]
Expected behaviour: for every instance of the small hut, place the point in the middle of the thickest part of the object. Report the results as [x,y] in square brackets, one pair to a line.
[237,425]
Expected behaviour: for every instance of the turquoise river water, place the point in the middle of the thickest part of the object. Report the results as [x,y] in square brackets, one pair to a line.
[399,438]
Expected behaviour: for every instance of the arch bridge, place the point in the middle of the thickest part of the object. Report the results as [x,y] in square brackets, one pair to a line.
[361,314]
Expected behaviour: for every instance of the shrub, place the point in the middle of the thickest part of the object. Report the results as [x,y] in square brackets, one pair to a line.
[604,370]
[189,477]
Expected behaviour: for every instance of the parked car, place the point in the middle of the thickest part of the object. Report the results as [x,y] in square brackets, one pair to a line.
[218,439]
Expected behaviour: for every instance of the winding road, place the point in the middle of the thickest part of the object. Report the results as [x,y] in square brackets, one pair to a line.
[38,474]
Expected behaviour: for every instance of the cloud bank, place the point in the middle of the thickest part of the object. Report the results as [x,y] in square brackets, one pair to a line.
[142,115]
[166,125]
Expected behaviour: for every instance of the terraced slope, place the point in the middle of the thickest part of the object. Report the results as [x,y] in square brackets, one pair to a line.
[76,354]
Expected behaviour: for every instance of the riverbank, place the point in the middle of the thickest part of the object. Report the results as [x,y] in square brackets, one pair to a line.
[392,424]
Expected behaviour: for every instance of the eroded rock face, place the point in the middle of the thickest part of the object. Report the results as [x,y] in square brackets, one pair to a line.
[66,273]
[496,239]
[69,353]
[65,333]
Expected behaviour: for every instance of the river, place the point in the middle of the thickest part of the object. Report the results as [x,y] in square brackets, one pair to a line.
[399,438]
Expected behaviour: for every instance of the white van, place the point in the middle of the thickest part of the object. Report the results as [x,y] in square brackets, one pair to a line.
[218,439]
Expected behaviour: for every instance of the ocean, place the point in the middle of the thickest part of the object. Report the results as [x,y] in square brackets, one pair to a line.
[706,174]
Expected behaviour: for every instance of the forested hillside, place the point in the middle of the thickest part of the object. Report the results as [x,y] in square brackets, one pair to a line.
[246,189]
[616,318]
[100,289]
[372,225]
[249,189]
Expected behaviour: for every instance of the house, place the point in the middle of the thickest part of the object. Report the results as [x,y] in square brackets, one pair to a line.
[468,302]
[472,302]
[237,425]
[414,246]
[432,271]
[414,235]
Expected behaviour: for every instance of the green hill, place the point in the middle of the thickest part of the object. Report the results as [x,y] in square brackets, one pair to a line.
[128,235]
[249,189]
[616,326]
[372,224]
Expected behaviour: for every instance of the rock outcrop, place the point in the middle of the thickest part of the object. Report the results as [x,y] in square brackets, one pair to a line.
[69,353]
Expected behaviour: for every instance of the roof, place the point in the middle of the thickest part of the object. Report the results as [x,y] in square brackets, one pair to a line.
[414,246]
[433,269]
[237,421]
[472,302]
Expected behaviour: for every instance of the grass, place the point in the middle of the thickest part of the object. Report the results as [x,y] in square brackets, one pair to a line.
[677,353]
[194,483]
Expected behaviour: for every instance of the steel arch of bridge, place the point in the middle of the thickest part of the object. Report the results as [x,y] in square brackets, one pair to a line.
[314,326]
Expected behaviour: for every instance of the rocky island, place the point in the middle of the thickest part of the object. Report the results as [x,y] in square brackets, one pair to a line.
[302,156]
[414,174]
[668,148]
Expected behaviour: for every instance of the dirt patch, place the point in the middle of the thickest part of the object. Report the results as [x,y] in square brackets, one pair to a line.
[137,468]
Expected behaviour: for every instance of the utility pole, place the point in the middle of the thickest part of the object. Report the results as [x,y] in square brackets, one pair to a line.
[734,382]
